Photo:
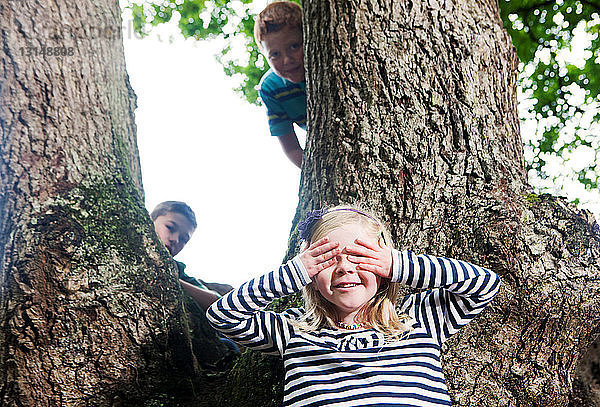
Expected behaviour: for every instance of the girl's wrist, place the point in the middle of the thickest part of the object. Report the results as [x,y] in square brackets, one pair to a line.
[300,269]
[396,266]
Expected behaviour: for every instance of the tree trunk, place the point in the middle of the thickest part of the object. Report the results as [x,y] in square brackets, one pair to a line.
[413,112]
[91,312]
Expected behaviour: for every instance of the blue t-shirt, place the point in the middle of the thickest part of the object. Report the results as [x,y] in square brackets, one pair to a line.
[285,102]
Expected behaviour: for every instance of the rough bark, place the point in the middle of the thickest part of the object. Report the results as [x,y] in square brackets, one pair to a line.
[412,111]
[91,312]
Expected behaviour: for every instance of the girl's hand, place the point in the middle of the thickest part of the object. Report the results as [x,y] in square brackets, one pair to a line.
[319,256]
[369,257]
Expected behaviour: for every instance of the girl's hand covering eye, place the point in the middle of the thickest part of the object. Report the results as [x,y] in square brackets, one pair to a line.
[374,258]
[319,256]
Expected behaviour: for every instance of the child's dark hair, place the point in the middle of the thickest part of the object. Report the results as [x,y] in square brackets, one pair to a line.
[275,17]
[174,206]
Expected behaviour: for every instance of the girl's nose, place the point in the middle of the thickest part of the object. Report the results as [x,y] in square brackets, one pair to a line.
[343,265]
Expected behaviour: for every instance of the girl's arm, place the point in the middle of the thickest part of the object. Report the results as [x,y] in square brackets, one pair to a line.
[457,290]
[240,315]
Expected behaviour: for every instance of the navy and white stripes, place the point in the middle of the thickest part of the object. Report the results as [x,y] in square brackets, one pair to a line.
[332,367]
[457,291]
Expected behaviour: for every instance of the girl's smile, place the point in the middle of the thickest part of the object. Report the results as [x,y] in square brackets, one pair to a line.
[345,285]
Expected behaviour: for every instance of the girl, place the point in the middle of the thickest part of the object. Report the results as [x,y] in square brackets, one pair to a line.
[351,347]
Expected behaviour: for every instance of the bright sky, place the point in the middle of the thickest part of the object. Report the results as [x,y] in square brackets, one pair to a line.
[201,143]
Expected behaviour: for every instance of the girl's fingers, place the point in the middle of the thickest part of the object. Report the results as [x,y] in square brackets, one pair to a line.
[361,251]
[319,267]
[327,264]
[376,269]
[366,244]
[362,260]
[322,246]
[318,243]
[356,247]
[373,268]
[327,255]
[327,247]
[324,256]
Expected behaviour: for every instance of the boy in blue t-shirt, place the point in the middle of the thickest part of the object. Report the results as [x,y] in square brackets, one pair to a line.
[278,34]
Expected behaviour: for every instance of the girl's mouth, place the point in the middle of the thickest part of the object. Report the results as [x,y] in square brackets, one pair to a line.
[346,285]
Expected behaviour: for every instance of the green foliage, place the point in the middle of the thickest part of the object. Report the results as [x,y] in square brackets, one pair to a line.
[230,21]
[562,90]
[561,94]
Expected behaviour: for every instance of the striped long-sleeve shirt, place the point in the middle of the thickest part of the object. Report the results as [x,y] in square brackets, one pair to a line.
[332,367]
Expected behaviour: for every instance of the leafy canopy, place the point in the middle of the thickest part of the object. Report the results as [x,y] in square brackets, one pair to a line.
[557,42]
[559,47]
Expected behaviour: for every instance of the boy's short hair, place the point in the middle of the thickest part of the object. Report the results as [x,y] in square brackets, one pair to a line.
[174,206]
[275,17]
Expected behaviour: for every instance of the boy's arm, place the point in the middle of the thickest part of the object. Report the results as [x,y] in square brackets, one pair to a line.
[281,126]
[203,297]
[291,148]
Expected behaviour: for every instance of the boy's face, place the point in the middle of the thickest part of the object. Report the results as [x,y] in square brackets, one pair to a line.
[284,52]
[174,230]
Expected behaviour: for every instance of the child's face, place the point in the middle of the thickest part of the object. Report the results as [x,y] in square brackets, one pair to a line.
[284,52]
[174,230]
[341,284]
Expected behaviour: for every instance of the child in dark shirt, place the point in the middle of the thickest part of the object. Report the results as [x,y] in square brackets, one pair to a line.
[174,223]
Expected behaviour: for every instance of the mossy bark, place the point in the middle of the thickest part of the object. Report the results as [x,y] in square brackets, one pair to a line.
[412,112]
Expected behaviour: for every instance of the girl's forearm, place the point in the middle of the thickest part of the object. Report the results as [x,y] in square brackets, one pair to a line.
[455,291]
[240,314]
[459,277]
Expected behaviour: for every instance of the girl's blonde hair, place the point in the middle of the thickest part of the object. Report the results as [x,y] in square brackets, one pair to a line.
[380,312]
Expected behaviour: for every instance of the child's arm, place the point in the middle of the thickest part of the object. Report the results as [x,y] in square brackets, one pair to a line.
[291,148]
[281,126]
[240,315]
[203,297]
[457,291]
